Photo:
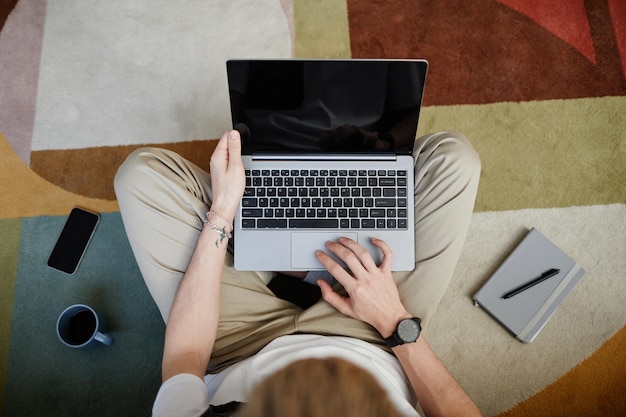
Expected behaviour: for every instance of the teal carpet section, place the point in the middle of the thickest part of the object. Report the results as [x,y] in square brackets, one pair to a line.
[46,378]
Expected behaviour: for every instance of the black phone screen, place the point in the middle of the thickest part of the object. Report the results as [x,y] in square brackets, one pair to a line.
[73,240]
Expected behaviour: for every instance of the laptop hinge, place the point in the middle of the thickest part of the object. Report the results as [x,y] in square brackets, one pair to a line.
[300,157]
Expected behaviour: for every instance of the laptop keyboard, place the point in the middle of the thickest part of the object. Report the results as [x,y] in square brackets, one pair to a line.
[325,199]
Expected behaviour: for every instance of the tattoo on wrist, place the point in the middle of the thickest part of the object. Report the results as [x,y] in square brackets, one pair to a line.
[221,231]
[223,234]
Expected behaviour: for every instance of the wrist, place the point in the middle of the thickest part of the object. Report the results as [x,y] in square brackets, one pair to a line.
[389,325]
[219,217]
[220,225]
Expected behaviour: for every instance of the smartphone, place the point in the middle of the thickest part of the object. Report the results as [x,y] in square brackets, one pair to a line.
[73,240]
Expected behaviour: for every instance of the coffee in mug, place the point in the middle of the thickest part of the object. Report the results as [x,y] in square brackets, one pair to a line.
[81,326]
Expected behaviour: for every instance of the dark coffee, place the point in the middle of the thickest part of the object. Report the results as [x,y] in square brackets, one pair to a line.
[80,327]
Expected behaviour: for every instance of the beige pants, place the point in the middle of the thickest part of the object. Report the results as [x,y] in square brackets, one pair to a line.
[163,199]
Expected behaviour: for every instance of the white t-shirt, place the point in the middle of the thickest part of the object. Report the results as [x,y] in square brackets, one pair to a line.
[186,395]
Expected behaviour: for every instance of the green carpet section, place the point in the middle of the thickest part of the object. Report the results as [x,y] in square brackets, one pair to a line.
[321,29]
[46,378]
[540,154]
[10,232]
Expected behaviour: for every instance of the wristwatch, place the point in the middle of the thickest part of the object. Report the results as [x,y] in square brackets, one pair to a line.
[407,331]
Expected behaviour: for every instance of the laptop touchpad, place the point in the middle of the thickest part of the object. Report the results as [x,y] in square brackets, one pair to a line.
[304,245]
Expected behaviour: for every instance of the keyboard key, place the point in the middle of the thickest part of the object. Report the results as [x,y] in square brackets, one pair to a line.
[249,202]
[368,223]
[378,213]
[313,223]
[271,224]
[251,213]
[248,223]
[385,202]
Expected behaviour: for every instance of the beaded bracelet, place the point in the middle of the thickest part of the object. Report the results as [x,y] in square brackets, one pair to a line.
[206,216]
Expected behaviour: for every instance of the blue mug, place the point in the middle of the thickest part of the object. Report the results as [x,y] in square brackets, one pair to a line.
[80,326]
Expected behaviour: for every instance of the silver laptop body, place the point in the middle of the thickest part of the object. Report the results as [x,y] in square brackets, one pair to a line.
[327,149]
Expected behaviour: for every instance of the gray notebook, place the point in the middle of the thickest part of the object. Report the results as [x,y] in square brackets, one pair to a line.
[527,312]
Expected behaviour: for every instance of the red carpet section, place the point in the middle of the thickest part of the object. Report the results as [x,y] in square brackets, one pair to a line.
[550,53]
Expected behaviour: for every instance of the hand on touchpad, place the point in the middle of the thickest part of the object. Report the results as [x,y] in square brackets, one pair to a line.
[304,245]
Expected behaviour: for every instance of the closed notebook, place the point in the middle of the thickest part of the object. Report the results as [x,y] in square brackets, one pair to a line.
[526,313]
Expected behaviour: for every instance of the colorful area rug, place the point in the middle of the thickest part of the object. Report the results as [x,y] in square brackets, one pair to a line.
[539,87]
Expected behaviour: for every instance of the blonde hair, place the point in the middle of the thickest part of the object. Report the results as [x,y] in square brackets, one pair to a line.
[319,388]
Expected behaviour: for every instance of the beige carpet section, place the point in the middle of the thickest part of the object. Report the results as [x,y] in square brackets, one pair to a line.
[321,28]
[26,194]
[555,153]
[123,73]
[496,369]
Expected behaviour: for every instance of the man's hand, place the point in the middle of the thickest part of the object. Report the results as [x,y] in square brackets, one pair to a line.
[373,294]
[227,175]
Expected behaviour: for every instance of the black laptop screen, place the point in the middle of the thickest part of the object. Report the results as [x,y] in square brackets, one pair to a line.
[336,106]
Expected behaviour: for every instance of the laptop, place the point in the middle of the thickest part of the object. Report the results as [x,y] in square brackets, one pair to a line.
[327,149]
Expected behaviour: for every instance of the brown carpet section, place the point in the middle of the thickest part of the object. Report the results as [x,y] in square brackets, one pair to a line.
[69,168]
[472,44]
[6,7]
[594,388]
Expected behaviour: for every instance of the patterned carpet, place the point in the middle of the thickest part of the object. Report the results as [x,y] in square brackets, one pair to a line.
[539,87]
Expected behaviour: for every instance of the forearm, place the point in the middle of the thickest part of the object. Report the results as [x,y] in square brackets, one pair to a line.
[192,324]
[374,299]
[438,392]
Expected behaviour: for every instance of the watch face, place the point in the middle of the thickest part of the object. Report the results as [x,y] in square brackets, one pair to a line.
[408,330]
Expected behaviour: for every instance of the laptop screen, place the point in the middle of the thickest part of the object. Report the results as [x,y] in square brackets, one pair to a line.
[326,106]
